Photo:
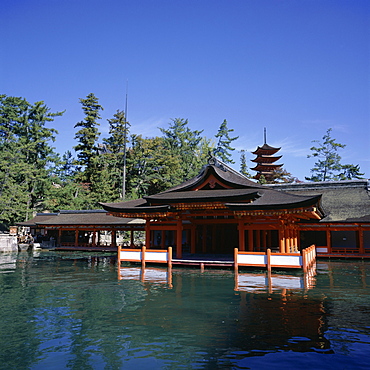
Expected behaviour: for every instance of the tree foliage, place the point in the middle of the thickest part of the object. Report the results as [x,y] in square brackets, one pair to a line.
[223,147]
[33,177]
[26,158]
[87,136]
[328,166]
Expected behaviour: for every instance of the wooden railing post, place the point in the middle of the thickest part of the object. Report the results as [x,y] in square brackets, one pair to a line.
[143,256]
[268,256]
[169,257]
[236,259]
[304,260]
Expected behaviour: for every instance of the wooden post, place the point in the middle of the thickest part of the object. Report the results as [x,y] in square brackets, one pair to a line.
[264,239]
[163,239]
[268,255]
[236,259]
[192,239]
[282,240]
[113,238]
[143,249]
[304,260]
[94,238]
[241,236]
[169,257]
[258,240]
[214,238]
[250,240]
[361,240]
[179,238]
[76,237]
[147,233]
[204,238]
[328,240]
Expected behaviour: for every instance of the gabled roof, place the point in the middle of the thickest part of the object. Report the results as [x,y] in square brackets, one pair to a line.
[216,183]
[342,201]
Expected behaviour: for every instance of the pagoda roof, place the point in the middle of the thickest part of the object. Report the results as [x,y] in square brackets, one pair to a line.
[266,159]
[219,184]
[263,167]
[265,149]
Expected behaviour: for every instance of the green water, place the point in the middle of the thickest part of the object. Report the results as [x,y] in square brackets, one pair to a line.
[69,311]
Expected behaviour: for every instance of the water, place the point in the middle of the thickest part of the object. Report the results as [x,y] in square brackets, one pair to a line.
[68,311]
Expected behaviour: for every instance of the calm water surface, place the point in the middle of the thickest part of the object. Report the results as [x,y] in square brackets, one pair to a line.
[70,311]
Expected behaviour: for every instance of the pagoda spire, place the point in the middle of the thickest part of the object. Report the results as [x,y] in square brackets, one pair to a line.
[265,160]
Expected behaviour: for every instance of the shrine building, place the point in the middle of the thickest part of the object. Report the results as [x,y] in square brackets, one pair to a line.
[220,210]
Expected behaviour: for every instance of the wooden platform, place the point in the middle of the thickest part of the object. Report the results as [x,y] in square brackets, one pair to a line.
[203,262]
[342,255]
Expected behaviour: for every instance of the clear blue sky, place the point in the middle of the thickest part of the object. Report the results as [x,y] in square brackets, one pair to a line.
[294,67]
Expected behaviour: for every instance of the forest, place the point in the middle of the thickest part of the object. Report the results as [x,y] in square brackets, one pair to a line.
[35,178]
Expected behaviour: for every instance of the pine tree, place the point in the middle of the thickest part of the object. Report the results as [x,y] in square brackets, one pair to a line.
[88,136]
[26,156]
[243,164]
[328,166]
[188,147]
[223,147]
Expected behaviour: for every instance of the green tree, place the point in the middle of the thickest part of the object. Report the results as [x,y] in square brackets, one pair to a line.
[223,147]
[328,166]
[243,164]
[187,147]
[87,136]
[116,147]
[150,166]
[26,156]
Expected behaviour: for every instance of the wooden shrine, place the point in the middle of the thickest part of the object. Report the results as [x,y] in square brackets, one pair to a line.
[220,210]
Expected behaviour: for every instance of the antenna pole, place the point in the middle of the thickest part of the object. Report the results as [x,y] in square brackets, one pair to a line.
[124,150]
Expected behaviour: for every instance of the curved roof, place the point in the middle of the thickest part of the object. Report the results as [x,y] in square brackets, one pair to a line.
[216,183]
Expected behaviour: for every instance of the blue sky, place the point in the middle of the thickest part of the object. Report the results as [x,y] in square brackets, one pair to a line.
[294,67]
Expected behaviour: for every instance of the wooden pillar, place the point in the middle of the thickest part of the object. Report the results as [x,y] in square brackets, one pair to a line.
[328,240]
[163,239]
[282,239]
[193,238]
[147,233]
[258,240]
[250,240]
[269,239]
[204,238]
[214,238]
[132,238]
[179,238]
[94,238]
[76,237]
[361,240]
[263,239]
[241,236]
[287,240]
[113,238]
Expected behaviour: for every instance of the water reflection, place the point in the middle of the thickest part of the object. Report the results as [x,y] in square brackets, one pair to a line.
[71,310]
